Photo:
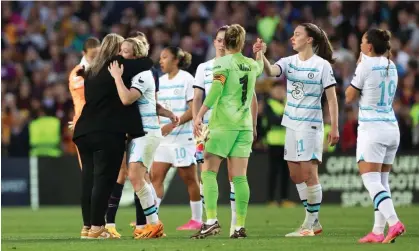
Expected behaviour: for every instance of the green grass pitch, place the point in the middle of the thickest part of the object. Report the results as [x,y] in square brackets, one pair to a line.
[58,229]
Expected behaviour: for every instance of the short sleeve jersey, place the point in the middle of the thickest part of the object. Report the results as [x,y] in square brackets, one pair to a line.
[306,82]
[203,81]
[376,79]
[144,83]
[174,95]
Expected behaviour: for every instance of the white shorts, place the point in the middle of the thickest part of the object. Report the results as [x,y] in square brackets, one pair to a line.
[303,145]
[377,146]
[177,155]
[143,149]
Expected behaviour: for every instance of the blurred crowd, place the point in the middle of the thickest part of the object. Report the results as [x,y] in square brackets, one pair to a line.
[42,41]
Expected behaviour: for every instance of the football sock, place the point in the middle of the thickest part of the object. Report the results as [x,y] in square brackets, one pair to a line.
[242,195]
[380,197]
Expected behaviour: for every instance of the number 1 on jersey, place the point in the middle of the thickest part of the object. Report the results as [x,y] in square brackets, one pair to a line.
[243,82]
[391,91]
[300,146]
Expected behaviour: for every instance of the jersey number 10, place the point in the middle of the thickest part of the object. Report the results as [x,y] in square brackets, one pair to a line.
[243,81]
[391,90]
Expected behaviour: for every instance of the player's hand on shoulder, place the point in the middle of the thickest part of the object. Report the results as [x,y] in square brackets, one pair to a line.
[167,129]
[116,70]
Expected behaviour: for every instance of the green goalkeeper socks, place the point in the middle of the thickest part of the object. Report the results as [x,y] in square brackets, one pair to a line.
[209,180]
[242,192]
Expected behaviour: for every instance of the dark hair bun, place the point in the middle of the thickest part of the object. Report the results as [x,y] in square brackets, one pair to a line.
[386,35]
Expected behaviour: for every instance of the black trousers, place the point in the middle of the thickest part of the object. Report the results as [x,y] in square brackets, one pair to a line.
[277,165]
[101,155]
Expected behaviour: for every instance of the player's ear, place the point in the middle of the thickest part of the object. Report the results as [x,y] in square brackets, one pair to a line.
[309,40]
[83,53]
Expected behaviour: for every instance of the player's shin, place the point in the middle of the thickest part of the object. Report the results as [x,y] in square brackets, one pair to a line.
[314,199]
[379,219]
[381,198]
[113,204]
[302,192]
[242,195]
[141,220]
[233,204]
[209,180]
[145,195]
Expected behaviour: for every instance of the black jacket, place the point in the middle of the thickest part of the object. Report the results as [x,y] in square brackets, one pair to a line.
[104,111]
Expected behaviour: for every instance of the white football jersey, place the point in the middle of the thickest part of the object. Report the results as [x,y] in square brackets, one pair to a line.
[306,81]
[203,80]
[174,94]
[378,87]
[144,82]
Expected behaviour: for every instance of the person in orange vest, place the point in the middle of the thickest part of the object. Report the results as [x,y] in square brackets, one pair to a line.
[76,83]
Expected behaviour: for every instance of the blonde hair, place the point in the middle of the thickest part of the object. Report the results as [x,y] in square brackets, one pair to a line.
[110,47]
[140,50]
[235,37]
[142,37]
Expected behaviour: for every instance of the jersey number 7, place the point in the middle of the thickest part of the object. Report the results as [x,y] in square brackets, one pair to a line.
[243,81]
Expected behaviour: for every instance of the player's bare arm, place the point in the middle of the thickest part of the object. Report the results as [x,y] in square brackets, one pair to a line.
[270,70]
[351,94]
[332,101]
[127,96]
[187,116]
[197,102]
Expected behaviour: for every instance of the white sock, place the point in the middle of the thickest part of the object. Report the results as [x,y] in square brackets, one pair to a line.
[196,208]
[211,221]
[201,192]
[233,205]
[154,192]
[158,202]
[110,225]
[140,226]
[380,196]
[314,199]
[302,192]
[379,220]
[384,181]
[147,202]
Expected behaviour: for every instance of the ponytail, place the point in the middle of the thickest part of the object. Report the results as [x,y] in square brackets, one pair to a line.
[325,49]
[321,42]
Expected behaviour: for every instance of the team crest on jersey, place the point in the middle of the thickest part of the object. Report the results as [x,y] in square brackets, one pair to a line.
[176,91]
[310,75]
[298,92]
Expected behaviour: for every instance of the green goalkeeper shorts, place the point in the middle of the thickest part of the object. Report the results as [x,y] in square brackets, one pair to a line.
[229,143]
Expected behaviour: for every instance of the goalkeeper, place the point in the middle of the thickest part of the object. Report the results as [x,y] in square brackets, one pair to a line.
[231,128]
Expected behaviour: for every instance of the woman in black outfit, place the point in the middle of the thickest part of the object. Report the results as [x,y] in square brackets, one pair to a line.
[100,132]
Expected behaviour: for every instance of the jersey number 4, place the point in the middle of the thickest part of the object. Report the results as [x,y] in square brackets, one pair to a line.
[391,90]
[243,81]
